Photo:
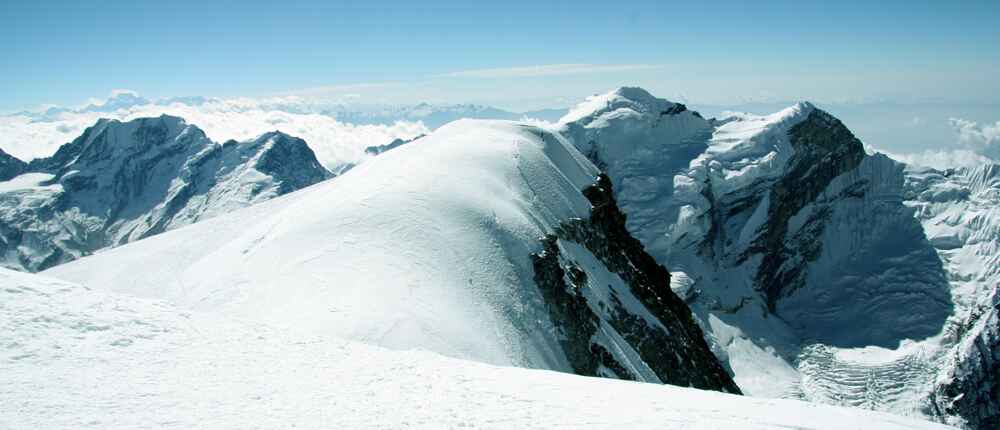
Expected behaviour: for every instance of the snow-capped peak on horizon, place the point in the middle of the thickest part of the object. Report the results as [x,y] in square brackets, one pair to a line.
[789,115]
[119,99]
[627,99]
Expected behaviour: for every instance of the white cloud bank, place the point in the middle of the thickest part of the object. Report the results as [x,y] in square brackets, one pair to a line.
[28,135]
[941,159]
[975,143]
[984,139]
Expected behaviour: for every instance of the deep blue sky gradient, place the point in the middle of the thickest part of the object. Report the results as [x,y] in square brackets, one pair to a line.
[66,52]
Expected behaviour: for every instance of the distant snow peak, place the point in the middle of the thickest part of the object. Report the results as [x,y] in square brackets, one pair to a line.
[622,101]
[123,181]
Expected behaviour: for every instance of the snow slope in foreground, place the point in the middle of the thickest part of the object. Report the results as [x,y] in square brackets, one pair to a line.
[79,357]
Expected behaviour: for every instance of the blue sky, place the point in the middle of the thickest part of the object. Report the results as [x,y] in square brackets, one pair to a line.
[514,54]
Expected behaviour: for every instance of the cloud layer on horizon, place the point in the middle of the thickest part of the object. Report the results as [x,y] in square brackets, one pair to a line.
[29,135]
[976,144]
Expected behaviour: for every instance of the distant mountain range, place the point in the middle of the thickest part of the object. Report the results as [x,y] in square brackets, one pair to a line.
[432,115]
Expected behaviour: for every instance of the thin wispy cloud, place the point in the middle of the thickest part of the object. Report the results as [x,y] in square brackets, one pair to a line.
[346,89]
[546,70]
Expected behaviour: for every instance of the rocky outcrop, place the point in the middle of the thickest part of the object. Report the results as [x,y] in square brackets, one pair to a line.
[396,143]
[639,307]
[10,166]
[120,182]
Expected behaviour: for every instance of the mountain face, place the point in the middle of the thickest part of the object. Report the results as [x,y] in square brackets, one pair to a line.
[505,246]
[121,182]
[816,270]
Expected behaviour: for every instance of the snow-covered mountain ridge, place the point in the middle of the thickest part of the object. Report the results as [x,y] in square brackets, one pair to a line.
[449,258]
[120,182]
[817,271]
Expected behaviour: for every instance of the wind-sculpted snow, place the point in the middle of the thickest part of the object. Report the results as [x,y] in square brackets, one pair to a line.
[817,271]
[80,357]
[121,182]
